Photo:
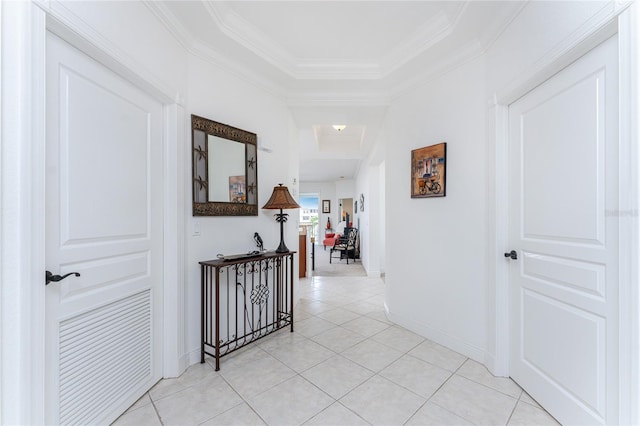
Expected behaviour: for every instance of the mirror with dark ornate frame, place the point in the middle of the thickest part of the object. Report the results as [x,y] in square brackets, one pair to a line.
[225,169]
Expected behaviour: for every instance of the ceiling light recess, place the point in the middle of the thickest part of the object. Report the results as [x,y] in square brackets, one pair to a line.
[339,127]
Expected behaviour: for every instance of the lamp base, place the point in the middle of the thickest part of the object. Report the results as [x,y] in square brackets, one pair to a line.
[282,248]
[281,218]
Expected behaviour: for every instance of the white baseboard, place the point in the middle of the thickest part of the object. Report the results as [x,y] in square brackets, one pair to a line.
[373,274]
[440,337]
[183,363]
[193,357]
[492,364]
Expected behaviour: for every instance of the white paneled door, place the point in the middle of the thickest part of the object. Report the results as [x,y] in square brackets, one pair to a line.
[104,220]
[563,143]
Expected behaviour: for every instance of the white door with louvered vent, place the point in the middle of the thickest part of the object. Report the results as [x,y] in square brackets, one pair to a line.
[104,220]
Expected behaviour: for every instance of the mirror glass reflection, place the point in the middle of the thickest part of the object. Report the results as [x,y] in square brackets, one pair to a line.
[227,174]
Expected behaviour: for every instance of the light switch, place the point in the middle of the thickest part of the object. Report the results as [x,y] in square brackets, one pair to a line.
[196,228]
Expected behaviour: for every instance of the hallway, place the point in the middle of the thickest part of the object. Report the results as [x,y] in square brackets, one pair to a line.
[338,267]
[345,364]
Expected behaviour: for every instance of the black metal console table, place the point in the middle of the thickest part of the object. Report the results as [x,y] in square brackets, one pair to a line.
[243,300]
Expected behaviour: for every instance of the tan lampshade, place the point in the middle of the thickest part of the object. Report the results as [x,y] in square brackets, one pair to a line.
[281,199]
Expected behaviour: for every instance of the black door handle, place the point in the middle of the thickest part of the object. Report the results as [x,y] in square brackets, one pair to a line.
[512,254]
[55,278]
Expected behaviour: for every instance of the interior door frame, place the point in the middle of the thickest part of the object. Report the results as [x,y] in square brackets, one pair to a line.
[22,229]
[623,20]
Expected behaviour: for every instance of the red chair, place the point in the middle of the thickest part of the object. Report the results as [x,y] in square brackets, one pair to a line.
[329,240]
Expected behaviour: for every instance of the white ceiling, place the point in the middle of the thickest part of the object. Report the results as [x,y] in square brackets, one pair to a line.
[336,62]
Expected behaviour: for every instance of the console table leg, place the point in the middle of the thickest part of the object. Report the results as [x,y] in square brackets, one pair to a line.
[291,287]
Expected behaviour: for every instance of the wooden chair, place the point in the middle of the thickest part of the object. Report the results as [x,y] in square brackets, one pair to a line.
[345,245]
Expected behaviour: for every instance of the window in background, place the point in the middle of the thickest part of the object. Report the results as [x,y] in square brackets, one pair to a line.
[309,213]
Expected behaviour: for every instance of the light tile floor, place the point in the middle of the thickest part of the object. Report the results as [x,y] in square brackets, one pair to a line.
[345,364]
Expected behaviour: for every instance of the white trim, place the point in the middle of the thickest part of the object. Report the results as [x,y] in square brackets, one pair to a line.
[629,243]
[174,231]
[21,221]
[498,360]
[193,356]
[69,27]
[596,30]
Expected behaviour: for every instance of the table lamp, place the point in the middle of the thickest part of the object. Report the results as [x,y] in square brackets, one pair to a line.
[281,199]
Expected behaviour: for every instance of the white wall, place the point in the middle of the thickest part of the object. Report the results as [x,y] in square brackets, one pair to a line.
[370,181]
[440,253]
[325,191]
[216,95]
[368,221]
[435,247]
[345,188]
[382,219]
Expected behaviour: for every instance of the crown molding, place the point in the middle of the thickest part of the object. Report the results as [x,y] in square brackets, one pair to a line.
[202,51]
[315,98]
[337,71]
[488,40]
[169,21]
[209,55]
[248,36]
[242,32]
[459,57]
[432,32]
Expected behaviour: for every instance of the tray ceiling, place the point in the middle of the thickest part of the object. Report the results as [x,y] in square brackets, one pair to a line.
[336,62]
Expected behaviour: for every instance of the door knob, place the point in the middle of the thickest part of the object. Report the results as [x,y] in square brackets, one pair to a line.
[55,278]
[512,254]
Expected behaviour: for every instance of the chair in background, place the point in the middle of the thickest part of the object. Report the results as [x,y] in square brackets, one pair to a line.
[345,245]
[331,238]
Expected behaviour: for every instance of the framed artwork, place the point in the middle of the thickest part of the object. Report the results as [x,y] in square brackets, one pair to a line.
[428,171]
[326,206]
[355,207]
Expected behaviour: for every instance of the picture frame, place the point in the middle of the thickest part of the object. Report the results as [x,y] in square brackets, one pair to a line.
[429,171]
[326,206]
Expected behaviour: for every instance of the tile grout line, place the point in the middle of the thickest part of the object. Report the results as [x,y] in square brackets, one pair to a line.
[240,396]
[489,387]
[436,391]
[156,410]
[514,408]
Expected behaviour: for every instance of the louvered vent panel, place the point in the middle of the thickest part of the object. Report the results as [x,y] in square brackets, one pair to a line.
[104,354]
